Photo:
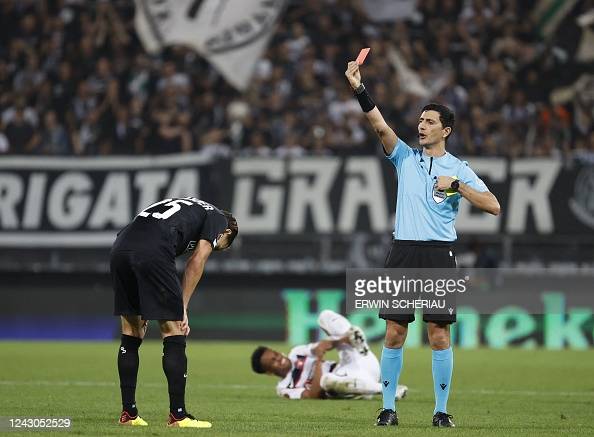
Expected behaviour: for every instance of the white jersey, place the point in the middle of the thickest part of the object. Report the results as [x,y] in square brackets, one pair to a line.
[301,374]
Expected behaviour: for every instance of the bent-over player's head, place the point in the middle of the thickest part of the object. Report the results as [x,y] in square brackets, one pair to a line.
[436,124]
[266,360]
[225,239]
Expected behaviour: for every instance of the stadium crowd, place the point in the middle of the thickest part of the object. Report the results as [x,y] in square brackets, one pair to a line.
[74,79]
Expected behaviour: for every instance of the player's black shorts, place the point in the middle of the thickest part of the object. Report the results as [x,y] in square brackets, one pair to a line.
[420,254]
[146,284]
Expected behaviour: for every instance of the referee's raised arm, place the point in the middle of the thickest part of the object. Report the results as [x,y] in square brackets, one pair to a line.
[384,132]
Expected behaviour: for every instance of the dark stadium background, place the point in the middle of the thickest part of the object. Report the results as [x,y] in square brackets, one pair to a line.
[93,129]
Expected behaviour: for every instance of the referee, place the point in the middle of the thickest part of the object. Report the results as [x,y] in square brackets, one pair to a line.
[424,234]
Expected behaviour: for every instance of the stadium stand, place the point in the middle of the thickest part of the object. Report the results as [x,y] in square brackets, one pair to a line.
[75,80]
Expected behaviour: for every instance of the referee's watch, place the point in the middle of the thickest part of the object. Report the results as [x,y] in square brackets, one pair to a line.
[455,185]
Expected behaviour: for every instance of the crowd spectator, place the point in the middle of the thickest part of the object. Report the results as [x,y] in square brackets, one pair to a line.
[74,79]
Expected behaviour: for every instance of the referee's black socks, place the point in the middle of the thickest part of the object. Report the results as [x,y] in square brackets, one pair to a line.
[128,370]
[175,366]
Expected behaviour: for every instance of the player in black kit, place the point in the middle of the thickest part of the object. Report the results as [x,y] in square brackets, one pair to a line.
[147,287]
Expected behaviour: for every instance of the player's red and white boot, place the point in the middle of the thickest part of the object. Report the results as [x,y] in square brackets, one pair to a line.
[128,420]
[187,421]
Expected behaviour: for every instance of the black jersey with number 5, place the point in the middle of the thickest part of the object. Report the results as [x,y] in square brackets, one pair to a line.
[175,224]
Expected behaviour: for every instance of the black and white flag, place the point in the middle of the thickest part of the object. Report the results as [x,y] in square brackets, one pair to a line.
[230,34]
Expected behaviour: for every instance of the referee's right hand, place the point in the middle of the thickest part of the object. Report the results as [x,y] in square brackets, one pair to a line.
[353,74]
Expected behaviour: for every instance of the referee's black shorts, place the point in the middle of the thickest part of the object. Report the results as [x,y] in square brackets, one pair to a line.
[421,254]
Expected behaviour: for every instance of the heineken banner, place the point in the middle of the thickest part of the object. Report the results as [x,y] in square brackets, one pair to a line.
[286,308]
[83,202]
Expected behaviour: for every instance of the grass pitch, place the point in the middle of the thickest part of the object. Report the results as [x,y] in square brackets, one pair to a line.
[507,392]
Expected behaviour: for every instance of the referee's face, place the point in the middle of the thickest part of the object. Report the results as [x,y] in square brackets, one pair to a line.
[430,129]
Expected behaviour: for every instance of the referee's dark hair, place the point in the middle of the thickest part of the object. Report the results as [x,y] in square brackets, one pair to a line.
[231,224]
[257,359]
[446,115]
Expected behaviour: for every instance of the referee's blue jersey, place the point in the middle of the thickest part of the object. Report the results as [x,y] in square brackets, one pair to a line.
[422,212]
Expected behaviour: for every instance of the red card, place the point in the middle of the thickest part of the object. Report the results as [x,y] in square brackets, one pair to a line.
[362,55]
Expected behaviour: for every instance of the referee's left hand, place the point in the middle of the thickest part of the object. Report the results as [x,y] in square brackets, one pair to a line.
[444,182]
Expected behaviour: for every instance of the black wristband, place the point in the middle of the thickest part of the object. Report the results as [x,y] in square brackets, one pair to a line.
[364,98]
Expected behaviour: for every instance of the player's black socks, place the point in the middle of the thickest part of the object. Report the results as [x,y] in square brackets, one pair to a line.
[128,370]
[175,366]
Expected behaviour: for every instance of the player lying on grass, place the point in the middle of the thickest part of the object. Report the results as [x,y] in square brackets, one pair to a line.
[306,375]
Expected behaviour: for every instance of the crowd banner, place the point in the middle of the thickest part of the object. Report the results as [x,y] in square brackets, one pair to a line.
[83,202]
